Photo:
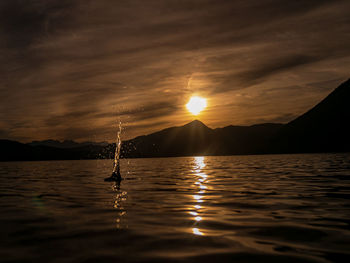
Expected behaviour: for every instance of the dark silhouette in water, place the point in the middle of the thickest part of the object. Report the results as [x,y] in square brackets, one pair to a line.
[115,177]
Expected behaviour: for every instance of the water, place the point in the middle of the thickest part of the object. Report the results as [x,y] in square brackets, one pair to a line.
[273,208]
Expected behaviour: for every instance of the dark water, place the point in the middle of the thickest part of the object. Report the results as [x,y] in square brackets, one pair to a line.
[274,208]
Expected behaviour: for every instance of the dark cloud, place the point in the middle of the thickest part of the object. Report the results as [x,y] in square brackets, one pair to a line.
[71,117]
[3,134]
[70,68]
[271,66]
[25,21]
[150,111]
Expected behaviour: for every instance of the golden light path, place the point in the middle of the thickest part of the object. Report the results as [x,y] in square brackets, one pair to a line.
[196,105]
[201,179]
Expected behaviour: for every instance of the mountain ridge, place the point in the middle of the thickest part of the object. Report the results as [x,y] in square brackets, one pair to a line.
[323,128]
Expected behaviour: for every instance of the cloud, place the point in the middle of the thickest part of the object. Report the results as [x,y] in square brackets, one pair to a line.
[157,109]
[79,65]
[271,66]
[26,22]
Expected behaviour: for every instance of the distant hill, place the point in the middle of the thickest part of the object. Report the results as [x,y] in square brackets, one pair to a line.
[195,138]
[192,138]
[15,151]
[66,144]
[324,128]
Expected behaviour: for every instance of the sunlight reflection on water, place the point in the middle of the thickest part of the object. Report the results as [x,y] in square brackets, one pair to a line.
[196,231]
[201,177]
[120,198]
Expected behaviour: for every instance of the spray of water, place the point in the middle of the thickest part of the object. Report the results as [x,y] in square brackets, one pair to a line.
[117,149]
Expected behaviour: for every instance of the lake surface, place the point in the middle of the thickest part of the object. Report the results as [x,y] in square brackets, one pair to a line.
[272,208]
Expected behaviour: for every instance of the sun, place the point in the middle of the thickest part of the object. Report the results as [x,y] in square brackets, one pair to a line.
[196,105]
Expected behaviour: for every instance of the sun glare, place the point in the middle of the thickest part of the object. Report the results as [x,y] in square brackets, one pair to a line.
[196,105]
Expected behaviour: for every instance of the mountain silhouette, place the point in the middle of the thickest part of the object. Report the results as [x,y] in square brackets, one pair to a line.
[66,144]
[195,138]
[15,151]
[324,128]
[190,139]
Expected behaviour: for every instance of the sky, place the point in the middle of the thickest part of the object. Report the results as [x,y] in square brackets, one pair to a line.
[71,69]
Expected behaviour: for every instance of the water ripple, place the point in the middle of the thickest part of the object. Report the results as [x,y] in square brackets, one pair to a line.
[274,208]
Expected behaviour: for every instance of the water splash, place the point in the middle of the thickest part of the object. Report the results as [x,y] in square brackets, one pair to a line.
[116,176]
[116,166]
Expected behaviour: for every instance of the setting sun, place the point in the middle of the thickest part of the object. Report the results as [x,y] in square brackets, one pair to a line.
[196,105]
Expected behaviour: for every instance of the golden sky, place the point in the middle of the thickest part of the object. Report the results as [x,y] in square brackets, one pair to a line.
[72,69]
